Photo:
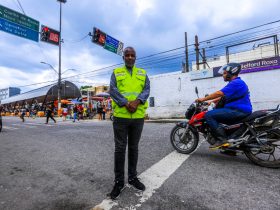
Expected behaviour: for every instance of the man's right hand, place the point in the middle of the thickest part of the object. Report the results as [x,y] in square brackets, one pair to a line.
[129,108]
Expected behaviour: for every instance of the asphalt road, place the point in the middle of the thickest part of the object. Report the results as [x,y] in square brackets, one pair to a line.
[69,166]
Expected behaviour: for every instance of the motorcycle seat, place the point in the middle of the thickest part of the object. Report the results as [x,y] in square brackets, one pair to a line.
[254,115]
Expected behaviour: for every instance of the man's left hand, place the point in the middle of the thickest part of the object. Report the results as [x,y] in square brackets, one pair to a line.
[134,104]
[199,100]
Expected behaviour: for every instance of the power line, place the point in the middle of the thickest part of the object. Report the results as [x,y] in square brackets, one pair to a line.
[76,41]
[169,58]
[17,2]
[241,31]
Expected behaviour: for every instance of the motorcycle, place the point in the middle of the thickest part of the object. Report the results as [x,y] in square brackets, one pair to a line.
[257,135]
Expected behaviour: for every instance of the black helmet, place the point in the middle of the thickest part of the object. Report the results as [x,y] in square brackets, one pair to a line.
[231,69]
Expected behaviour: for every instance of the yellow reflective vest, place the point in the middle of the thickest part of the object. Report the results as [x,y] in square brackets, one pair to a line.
[130,86]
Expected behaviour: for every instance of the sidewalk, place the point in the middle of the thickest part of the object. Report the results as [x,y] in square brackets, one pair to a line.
[165,120]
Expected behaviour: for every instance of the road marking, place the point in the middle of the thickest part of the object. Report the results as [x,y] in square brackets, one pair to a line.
[9,128]
[153,178]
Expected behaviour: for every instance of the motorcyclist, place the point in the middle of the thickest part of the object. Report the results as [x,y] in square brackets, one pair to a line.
[237,103]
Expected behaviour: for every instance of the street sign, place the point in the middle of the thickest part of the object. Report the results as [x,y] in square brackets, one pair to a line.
[120,48]
[111,41]
[110,48]
[106,41]
[49,35]
[18,30]
[111,44]
[18,18]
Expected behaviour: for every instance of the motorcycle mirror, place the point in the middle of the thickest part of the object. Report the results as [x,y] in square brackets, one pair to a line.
[196,91]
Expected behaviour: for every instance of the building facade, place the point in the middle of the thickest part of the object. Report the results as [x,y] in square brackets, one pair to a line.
[8,92]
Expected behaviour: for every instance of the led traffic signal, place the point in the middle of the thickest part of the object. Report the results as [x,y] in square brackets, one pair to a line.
[50,35]
[45,33]
[98,37]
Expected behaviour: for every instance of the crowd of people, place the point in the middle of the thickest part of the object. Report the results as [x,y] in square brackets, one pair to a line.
[102,109]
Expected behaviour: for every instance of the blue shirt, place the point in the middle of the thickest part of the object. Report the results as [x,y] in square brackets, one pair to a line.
[120,99]
[237,89]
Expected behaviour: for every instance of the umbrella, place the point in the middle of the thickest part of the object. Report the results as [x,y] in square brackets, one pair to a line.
[96,98]
[103,94]
[76,102]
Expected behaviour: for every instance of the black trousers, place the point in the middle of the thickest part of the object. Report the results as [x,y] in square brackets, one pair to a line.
[49,116]
[126,131]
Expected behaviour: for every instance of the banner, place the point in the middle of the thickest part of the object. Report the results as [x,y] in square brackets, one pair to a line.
[255,66]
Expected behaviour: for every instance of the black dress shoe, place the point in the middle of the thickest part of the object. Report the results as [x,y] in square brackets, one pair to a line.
[117,189]
[137,184]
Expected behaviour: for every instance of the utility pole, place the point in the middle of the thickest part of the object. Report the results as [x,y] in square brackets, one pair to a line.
[59,66]
[187,53]
[196,44]
[203,58]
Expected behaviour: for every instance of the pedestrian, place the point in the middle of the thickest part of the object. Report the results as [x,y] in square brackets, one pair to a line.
[80,111]
[75,112]
[85,113]
[22,114]
[49,114]
[103,112]
[64,112]
[129,89]
[109,107]
[99,110]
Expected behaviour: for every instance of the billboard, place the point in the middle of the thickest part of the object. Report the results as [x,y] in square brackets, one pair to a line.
[255,65]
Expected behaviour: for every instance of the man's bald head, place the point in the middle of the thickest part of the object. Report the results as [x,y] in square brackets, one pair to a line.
[128,49]
[129,57]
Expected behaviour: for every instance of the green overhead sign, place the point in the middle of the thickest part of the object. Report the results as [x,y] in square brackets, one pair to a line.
[18,18]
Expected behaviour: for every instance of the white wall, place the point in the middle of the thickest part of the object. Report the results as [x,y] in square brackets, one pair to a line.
[174,92]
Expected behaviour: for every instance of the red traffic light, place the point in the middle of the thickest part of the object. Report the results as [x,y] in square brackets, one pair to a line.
[50,35]
[45,29]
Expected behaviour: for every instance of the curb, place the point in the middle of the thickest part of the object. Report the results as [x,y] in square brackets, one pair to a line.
[165,121]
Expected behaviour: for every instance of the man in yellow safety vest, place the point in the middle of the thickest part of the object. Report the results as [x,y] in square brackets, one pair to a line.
[129,89]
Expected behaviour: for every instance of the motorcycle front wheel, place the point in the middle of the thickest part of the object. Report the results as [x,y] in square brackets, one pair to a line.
[184,140]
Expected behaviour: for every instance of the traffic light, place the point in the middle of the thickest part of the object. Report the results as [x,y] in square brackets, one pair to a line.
[50,35]
[45,33]
[98,37]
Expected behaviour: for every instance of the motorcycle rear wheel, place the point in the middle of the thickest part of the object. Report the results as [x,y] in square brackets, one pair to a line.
[185,144]
[268,155]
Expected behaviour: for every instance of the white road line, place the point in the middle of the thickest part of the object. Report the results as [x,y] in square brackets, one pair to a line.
[153,178]
[9,128]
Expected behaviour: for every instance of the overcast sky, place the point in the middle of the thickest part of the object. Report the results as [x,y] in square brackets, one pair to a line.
[151,26]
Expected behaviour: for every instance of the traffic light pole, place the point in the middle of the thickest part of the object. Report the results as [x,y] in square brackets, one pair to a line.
[59,66]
